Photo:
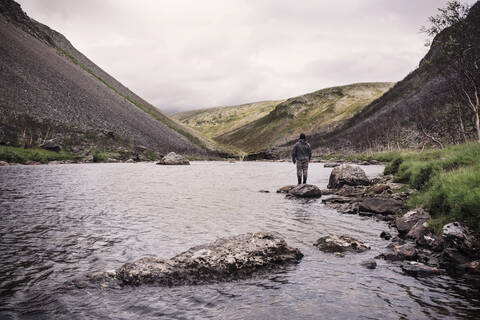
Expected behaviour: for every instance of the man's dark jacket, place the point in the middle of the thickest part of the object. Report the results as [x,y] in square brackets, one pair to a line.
[301,151]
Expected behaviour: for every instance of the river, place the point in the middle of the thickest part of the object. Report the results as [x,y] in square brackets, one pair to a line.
[61,222]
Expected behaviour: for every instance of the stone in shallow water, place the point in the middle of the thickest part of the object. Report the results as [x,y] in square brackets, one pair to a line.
[223,260]
[333,243]
[285,189]
[173,159]
[418,269]
[305,191]
[369,264]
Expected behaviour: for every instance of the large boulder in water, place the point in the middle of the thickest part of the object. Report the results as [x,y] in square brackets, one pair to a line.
[333,243]
[305,191]
[347,175]
[173,159]
[223,260]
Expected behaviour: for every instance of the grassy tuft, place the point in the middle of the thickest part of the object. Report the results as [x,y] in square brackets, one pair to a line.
[448,181]
[21,155]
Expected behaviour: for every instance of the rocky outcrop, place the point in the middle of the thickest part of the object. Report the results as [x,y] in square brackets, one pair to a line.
[347,175]
[174,159]
[305,191]
[223,260]
[343,243]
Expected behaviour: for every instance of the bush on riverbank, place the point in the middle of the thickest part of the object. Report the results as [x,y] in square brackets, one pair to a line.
[22,155]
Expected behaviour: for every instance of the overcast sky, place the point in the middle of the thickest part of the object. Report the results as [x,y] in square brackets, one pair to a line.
[182,55]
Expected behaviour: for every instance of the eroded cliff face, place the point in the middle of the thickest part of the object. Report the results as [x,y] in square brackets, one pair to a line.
[48,89]
[416,111]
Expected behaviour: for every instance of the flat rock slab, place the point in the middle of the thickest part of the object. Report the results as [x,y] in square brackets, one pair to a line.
[223,260]
[343,243]
[418,269]
[380,205]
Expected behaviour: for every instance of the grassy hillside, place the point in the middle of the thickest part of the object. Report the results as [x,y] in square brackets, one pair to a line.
[258,126]
[214,122]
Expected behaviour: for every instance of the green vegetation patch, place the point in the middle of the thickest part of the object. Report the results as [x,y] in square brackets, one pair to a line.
[448,181]
[22,155]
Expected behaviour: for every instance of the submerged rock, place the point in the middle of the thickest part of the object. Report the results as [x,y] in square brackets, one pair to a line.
[347,175]
[286,189]
[305,191]
[418,269]
[385,235]
[369,264]
[333,243]
[173,159]
[222,260]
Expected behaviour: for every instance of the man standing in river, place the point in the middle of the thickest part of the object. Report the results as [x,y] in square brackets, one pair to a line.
[301,154]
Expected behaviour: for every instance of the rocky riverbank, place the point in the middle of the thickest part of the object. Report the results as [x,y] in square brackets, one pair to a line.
[417,248]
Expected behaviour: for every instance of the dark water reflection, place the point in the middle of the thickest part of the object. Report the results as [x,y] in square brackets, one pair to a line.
[59,223]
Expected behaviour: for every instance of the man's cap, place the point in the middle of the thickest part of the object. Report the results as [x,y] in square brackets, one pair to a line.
[302,136]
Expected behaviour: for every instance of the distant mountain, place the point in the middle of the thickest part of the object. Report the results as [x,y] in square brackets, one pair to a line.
[48,89]
[258,126]
[417,111]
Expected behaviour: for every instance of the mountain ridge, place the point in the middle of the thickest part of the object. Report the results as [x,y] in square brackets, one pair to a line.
[51,90]
[278,122]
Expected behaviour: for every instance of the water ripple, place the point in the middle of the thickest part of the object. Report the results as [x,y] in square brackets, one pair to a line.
[62,222]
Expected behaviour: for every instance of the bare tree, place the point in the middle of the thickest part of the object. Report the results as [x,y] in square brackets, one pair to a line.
[457,37]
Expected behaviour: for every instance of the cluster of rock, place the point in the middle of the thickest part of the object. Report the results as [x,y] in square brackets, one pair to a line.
[223,260]
[173,159]
[417,248]
[352,192]
[423,251]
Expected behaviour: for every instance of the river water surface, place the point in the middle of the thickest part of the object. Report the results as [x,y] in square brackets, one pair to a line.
[61,222]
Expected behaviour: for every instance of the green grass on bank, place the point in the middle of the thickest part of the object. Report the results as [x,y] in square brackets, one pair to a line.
[448,181]
[21,155]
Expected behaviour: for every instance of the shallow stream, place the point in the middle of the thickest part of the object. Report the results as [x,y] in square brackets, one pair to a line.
[61,222]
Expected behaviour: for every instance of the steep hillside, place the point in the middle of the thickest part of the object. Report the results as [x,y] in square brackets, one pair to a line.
[417,111]
[259,126]
[48,89]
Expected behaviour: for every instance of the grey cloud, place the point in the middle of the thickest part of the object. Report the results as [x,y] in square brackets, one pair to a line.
[181,54]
